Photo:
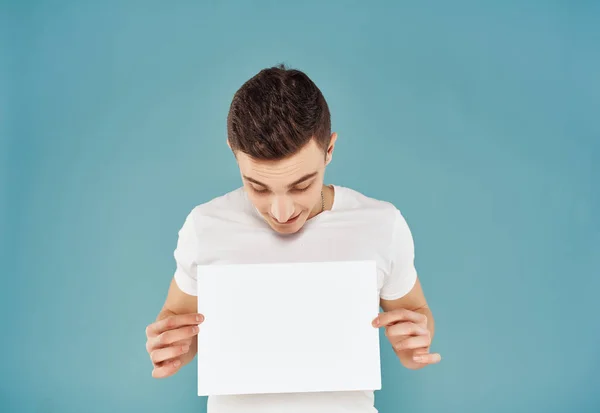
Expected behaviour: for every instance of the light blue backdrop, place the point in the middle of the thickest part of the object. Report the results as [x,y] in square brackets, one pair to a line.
[479,121]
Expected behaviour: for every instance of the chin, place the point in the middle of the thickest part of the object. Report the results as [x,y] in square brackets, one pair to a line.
[287,230]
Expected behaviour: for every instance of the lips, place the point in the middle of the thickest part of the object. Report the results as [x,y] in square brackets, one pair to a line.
[289,221]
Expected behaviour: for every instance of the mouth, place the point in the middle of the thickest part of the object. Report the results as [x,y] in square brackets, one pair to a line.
[289,221]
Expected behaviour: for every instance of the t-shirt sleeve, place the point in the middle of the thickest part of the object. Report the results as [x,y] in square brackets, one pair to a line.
[402,274]
[186,257]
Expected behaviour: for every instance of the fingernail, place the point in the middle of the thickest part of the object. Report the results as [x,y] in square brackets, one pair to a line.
[376,322]
[176,363]
[199,318]
[185,348]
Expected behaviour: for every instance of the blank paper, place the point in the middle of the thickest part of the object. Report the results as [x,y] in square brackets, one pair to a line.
[288,328]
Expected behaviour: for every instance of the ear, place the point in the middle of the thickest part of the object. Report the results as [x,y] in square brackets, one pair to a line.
[329,154]
[232,151]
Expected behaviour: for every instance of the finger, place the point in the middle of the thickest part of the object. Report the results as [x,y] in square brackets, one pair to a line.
[186,342]
[172,322]
[419,351]
[394,316]
[150,344]
[172,336]
[405,329]
[166,369]
[431,358]
[167,353]
[412,343]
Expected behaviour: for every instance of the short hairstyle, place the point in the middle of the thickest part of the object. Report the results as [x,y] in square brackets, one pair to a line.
[277,112]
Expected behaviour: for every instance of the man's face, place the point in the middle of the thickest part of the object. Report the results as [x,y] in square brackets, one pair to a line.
[286,192]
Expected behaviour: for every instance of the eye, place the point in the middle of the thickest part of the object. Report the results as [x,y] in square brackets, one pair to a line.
[302,188]
[259,190]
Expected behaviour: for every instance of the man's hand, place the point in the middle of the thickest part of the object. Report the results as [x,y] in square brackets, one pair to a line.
[407,332]
[172,342]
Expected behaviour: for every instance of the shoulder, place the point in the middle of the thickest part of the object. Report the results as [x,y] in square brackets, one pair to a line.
[229,200]
[383,214]
[232,207]
[386,224]
[347,199]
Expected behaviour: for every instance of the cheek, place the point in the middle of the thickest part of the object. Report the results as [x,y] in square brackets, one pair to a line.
[260,202]
[307,200]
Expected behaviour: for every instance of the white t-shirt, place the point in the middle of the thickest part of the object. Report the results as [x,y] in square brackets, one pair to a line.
[229,230]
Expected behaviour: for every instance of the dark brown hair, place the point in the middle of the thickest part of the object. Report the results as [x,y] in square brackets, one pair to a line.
[276,113]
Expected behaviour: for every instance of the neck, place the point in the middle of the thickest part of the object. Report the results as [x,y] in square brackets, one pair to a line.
[327,197]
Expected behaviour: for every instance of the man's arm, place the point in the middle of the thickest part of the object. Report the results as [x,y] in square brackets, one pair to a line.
[172,339]
[178,302]
[405,317]
[415,301]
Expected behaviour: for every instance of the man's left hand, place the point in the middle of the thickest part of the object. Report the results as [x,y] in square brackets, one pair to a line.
[407,332]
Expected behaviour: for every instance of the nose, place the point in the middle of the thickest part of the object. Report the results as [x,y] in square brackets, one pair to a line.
[282,208]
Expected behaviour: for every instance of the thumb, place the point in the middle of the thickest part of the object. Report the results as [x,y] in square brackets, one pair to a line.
[166,369]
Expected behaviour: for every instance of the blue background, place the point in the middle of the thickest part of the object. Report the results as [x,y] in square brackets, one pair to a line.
[478,120]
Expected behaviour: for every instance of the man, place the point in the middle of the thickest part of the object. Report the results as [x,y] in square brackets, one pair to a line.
[279,131]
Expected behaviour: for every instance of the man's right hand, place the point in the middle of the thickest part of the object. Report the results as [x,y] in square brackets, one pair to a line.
[172,342]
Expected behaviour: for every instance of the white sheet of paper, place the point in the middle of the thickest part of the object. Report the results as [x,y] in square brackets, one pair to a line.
[288,328]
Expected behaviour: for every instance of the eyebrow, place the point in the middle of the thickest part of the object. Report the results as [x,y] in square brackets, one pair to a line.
[296,182]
